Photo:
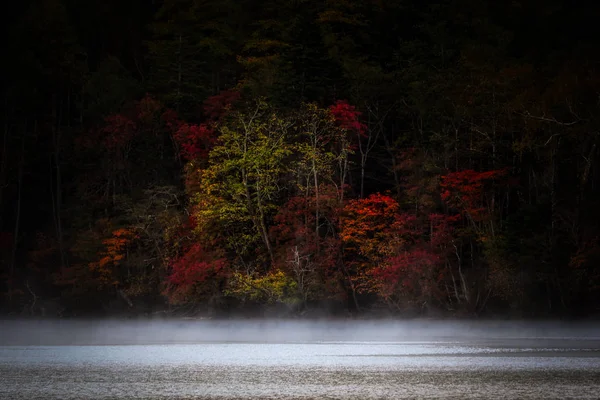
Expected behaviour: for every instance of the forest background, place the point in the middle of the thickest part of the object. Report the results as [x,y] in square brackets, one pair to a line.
[299,157]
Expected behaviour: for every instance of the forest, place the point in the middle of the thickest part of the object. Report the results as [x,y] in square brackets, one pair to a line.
[300,158]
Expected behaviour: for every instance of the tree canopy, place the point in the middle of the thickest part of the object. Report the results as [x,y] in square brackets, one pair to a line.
[401,156]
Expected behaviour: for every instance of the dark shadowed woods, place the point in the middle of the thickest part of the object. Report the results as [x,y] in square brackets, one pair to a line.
[284,158]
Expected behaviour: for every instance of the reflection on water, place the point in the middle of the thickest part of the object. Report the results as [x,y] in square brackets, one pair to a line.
[561,368]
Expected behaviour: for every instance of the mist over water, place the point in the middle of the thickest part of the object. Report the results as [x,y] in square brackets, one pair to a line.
[245,359]
[105,332]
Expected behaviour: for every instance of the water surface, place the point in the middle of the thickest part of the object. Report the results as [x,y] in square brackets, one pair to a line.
[284,363]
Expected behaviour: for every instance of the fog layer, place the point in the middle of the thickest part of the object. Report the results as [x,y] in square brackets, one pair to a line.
[98,332]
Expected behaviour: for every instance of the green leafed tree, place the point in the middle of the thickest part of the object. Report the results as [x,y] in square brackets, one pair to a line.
[240,189]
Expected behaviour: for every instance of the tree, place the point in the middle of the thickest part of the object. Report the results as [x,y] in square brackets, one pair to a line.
[115,252]
[240,188]
[193,50]
[273,287]
[196,273]
[465,191]
[374,231]
[310,257]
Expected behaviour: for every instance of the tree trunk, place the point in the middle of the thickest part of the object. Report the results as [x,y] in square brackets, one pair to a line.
[3,156]
[463,282]
[16,233]
[262,225]
[179,72]
[56,180]
[316,183]
[390,151]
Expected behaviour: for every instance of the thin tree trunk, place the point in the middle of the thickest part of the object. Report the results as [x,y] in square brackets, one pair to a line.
[16,233]
[456,294]
[388,148]
[262,225]
[316,183]
[352,287]
[56,186]
[364,155]
[179,71]
[343,173]
[3,156]
[34,298]
[461,276]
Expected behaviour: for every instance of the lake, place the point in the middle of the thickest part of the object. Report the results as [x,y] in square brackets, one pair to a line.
[347,360]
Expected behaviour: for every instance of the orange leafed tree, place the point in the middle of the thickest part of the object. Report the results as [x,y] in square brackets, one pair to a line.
[388,252]
[115,252]
[374,230]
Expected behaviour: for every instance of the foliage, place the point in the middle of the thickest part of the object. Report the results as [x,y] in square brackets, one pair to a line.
[373,230]
[465,191]
[347,117]
[114,254]
[194,140]
[310,256]
[197,150]
[192,272]
[274,287]
[239,189]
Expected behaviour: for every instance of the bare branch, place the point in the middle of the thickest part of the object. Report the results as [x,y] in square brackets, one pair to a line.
[553,120]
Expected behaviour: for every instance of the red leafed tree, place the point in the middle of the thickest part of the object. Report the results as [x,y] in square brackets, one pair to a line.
[388,251]
[347,117]
[373,230]
[194,274]
[197,267]
[215,107]
[411,277]
[422,272]
[373,227]
[195,141]
[309,256]
[473,194]
[467,191]
[441,230]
